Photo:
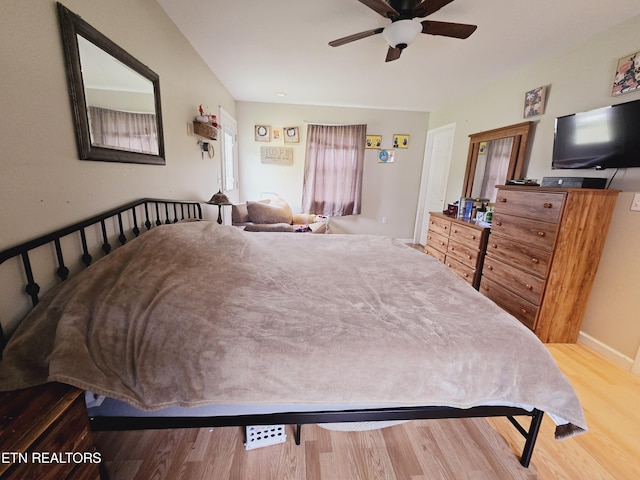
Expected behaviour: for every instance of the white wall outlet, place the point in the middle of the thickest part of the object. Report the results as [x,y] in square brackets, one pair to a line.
[635,205]
[384,219]
[189,129]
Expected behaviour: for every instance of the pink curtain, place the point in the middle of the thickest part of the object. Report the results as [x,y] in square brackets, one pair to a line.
[333,169]
[126,130]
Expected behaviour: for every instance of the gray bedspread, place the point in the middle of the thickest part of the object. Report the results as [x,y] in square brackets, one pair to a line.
[197,313]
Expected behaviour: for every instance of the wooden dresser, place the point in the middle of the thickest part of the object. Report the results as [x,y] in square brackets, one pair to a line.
[543,253]
[44,434]
[459,244]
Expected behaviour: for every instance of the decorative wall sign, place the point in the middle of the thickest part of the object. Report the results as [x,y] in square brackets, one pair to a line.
[386,156]
[374,141]
[291,134]
[280,155]
[263,133]
[400,141]
[534,102]
[627,77]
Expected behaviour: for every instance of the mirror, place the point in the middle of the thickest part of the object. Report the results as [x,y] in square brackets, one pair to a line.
[115,99]
[495,157]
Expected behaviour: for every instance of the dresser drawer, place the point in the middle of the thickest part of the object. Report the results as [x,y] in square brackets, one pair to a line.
[524,256]
[439,225]
[468,235]
[428,249]
[437,241]
[532,232]
[535,205]
[518,307]
[464,271]
[463,253]
[517,281]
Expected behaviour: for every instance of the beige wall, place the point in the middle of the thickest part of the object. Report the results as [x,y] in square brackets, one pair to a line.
[43,185]
[579,79]
[389,190]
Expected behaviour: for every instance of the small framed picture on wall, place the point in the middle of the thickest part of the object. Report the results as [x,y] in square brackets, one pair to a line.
[291,134]
[263,133]
[534,102]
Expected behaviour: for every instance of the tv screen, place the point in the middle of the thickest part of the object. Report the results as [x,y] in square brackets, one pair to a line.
[607,137]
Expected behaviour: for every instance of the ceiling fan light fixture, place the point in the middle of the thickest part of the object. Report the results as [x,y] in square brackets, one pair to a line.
[401,32]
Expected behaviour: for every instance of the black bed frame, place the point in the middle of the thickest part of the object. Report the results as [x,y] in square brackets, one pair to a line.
[147,213]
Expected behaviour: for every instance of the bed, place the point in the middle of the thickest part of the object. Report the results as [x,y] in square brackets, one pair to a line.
[191,324]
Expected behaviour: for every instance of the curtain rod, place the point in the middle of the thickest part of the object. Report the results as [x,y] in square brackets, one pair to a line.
[307,122]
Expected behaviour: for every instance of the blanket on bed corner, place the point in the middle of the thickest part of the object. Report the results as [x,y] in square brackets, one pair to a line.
[197,313]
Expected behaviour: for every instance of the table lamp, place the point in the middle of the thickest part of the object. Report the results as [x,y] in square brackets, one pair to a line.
[219,199]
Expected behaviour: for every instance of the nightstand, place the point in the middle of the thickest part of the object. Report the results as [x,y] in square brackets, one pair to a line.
[44,434]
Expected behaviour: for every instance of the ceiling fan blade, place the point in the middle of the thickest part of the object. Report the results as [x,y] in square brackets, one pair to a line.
[447,29]
[355,36]
[381,7]
[427,7]
[393,54]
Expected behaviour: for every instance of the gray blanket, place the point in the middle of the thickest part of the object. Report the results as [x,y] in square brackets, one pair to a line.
[196,313]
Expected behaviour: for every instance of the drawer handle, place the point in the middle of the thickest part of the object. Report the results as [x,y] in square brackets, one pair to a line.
[473,237]
[541,234]
[494,245]
[503,200]
[523,311]
[530,287]
[455,230]
[490,267]
[548,205]
[535,260]
[499,223]
[466,275]
[470,257]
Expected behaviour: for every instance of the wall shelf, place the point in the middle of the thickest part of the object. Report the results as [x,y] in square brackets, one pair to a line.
[205,130]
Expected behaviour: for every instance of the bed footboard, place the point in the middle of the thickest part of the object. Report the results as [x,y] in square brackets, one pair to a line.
[300,418]
[100,233]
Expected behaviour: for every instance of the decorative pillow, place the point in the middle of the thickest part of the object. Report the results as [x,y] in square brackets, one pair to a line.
[240,214]
[274,212]
[269,227]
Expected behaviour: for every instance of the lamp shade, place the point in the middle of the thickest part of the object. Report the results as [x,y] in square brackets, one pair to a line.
[219,199]
[401,32]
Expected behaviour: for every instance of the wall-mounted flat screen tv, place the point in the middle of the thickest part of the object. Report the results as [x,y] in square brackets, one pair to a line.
[606,137]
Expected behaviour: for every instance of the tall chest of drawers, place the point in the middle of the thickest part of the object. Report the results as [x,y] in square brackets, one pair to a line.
[543,253]
[460,245]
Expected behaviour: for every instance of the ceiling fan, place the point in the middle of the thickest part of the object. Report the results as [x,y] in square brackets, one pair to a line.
[403,29]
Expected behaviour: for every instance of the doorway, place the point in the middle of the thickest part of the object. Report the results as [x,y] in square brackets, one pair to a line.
[435,174]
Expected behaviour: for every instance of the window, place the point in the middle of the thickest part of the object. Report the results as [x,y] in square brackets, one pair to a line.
[333,169]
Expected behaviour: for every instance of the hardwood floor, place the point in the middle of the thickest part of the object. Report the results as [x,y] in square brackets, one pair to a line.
[417,450]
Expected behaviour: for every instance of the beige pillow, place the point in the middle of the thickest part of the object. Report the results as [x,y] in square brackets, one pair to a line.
[240,214]
[274,212]
[270,227]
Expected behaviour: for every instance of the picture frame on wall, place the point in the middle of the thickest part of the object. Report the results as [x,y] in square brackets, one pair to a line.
[373,141]
[627,77]
[534,102]
[291,134]
[400,141]
[263,133]
[386,156]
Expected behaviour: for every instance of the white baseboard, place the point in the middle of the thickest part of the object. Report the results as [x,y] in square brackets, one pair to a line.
[606,351]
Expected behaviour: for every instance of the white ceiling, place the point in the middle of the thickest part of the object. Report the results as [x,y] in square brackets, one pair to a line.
[258,48]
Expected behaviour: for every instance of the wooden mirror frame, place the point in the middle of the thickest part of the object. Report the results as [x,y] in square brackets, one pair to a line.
[72,25]
[520,133]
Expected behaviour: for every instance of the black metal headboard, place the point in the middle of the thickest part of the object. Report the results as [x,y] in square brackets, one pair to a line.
[114,226]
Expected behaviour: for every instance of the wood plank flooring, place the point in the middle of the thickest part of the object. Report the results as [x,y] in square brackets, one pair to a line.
[417,450]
